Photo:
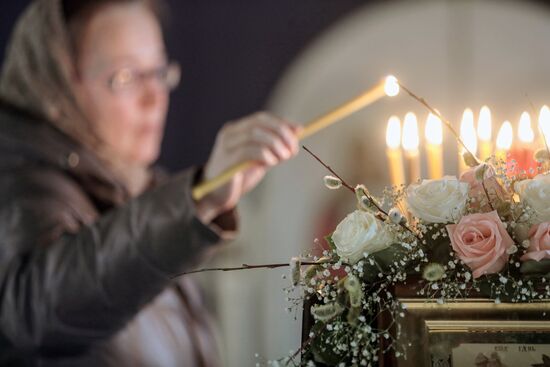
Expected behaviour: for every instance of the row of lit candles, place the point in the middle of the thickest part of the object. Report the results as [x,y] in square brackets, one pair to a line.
[405,139]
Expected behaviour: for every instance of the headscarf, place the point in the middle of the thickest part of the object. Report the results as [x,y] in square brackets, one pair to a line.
[37,76]
[37,71]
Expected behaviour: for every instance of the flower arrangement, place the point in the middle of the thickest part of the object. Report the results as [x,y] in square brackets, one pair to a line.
[485,233]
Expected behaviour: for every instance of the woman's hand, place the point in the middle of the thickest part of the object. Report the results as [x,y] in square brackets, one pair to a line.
[262,138]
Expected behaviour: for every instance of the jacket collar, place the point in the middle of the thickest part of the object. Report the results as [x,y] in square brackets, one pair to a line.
[27,139]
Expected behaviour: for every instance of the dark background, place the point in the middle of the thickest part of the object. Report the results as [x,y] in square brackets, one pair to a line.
[232,53]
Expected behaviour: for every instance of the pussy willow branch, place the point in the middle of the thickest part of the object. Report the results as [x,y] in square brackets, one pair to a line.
[370,198]
[344,183]
[373,202]
[443,119]
[249,267]
[302,348]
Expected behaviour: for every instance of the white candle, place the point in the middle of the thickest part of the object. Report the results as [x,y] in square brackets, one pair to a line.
[410,143]
[393,151]
[468,136]
[504,140]
[544,127]
[434,151]
[484,133]
[544,124]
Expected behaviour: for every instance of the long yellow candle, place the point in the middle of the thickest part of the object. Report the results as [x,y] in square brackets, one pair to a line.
[410,143]
[388,86]
[484,133]
[468,136]
[434,150]
[393,151]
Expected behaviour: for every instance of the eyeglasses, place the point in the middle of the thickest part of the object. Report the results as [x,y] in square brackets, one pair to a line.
[128,79]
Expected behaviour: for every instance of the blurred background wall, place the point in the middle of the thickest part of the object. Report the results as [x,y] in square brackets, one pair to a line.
[232,53]
[301,58]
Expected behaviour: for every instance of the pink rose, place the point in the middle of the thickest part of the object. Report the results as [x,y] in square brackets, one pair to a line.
[497,193]
[481,242]
[539,248]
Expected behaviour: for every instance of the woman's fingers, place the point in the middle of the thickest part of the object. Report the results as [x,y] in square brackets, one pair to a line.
[262,137]
[282,129]
[257,153]
[266,130]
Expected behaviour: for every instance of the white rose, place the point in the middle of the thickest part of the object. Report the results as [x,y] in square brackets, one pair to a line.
[536,194]
[358,233]
[438,201]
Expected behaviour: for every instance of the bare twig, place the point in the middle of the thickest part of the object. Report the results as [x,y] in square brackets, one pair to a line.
[344,183]
[369,197]
[249,267]
[309,340]
[444,120]
[301,349]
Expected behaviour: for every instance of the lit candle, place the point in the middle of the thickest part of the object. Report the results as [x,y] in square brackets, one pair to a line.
[434,151]
[410,145]
[468,136]
[544,124]
[504,141]
[521,160]
[393,151]
[484,133]
[388,87]
[544,128]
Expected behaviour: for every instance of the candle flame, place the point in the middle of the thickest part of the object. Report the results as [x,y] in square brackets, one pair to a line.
[544,123]
[391,87]
[393,133]
[484,125]
[505,136]
[434,130]
[525,132]
[410,133]
[468,131]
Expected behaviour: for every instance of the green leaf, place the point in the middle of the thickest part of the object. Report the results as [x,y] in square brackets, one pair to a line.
[536,268]
[438,250]
[330,242]
[322,349]
[486,285]
[353,315]
[383,260]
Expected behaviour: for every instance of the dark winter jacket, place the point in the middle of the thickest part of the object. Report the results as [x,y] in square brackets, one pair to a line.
[86,273]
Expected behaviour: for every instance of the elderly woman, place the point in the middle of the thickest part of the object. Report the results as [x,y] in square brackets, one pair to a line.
[91,235]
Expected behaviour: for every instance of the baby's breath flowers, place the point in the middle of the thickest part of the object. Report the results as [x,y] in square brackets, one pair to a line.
[423,235]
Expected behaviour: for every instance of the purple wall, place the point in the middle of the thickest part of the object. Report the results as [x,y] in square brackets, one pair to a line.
[232,53]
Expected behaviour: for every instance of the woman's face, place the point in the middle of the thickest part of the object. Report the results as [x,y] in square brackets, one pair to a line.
[120,57]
